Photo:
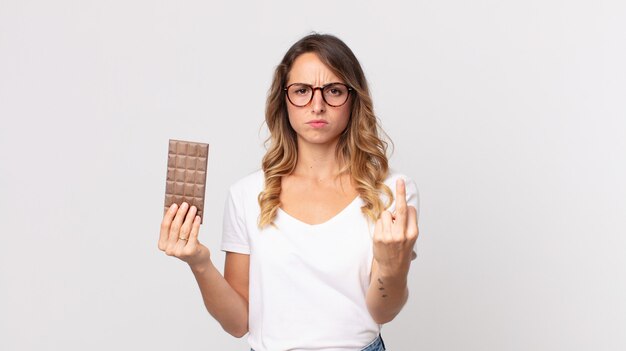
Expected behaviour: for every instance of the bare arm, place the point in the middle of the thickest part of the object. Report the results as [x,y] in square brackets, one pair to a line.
[222,301]
[394,239]
[225,297]
[386,295]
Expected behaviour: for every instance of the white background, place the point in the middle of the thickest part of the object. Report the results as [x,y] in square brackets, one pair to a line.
[510,116]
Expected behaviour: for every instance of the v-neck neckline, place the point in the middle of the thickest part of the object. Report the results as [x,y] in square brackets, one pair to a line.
[330,220]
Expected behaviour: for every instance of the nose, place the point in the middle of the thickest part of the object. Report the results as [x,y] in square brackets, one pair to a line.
[317,103]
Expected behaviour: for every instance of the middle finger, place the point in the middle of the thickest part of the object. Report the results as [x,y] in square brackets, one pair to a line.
[178,222]
[400,212]
[185,229]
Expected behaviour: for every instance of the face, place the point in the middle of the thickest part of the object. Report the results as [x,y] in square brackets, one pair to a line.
[309,69]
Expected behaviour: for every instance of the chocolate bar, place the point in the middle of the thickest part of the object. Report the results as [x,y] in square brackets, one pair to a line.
[186,174]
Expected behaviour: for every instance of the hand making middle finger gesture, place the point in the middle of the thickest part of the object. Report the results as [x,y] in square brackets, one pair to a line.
[395,234]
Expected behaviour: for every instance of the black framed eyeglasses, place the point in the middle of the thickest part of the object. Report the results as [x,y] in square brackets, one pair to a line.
[334,94]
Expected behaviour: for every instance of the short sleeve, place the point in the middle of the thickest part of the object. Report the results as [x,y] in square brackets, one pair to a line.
[234,233]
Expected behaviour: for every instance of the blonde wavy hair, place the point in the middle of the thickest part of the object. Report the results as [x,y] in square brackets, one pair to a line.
[361,144]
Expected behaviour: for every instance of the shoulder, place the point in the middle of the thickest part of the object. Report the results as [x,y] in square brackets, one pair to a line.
[252,183]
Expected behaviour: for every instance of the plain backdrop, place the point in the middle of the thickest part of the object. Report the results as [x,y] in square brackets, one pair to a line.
[510,116]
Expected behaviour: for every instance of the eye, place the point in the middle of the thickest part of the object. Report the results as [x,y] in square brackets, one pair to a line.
[299,90]
[335,90]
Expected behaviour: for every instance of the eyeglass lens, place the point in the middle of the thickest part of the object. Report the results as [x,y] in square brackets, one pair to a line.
[335,94]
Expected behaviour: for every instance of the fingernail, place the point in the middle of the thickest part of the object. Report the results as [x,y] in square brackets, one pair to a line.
[173,207]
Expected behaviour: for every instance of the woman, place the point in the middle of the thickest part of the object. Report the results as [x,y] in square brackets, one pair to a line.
[317,247]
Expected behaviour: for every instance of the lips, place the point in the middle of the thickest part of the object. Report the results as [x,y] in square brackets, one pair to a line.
[318,123]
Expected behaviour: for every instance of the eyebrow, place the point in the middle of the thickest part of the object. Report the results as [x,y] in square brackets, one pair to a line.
[335,81]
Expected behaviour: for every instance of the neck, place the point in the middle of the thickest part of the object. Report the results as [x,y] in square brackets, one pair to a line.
[317,161]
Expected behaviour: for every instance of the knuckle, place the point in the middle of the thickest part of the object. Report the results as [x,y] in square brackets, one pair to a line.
[181,253]
[171,249]
[397,239]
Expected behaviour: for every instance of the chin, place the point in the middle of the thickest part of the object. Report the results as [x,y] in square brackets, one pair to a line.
[321,140]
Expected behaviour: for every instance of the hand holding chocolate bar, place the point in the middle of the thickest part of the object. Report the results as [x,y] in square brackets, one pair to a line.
[179,235]
[184,202]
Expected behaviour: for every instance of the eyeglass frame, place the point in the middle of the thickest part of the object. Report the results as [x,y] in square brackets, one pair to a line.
[313,89]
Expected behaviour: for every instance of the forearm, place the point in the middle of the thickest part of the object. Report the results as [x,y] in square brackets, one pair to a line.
[386,296]
[222,301]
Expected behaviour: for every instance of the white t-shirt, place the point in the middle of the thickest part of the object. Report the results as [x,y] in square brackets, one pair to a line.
[307,282]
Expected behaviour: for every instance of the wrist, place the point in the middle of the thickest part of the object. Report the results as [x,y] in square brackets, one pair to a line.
[395,273]
[200,266]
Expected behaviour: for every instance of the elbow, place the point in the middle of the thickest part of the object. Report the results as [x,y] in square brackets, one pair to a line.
[240,335]
[239,330]
[237,333]
[387,315]
[382,321]
[385,319]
